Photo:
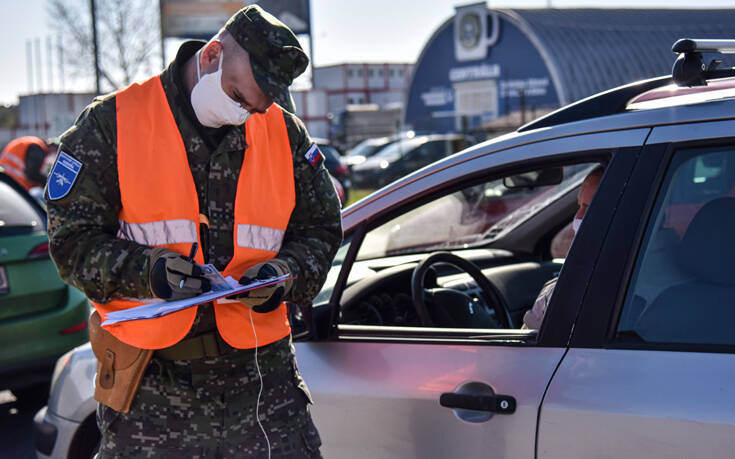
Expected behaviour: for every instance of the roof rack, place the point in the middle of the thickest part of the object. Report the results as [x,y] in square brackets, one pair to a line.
[690,68]
[607,103]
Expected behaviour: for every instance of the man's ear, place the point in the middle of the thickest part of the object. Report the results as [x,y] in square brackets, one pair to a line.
[210,55]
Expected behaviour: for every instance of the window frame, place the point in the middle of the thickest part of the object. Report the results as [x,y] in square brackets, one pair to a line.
[456,336]
[597,324]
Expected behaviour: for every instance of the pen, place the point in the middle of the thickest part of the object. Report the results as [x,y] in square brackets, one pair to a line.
[192,252]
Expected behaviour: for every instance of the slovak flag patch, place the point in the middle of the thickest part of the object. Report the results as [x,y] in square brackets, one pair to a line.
[62,176]
[314,156]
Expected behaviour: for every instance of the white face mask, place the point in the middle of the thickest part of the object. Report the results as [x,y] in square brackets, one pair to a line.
[575,225]
[212,106]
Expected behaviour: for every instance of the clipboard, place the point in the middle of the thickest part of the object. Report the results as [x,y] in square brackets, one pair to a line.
[154,308]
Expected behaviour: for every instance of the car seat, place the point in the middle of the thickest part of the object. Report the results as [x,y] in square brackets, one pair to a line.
[700,310]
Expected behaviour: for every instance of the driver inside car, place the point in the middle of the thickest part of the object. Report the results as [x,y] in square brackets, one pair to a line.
[533,317]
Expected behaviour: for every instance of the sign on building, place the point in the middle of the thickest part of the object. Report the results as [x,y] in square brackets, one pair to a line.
[475,31]
[204,18]
[195,18]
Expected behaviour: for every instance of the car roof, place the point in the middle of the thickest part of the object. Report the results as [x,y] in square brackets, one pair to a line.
[720,109]
[617,110]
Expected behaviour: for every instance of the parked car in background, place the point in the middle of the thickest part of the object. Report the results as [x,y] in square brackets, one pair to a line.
[40,316]
[404,156]
[415,335]
[367,148]
[67,427]
[336,167]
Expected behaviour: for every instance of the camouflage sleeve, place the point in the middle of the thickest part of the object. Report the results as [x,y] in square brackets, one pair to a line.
[314,232]
[83,224]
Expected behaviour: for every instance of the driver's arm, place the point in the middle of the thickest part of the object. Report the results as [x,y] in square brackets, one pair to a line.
[533,318]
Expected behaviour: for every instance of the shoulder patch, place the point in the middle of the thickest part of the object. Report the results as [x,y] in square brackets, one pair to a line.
[62,176]
[314,156]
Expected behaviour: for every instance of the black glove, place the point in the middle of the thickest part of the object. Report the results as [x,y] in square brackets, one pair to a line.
[173,277]
[265,299]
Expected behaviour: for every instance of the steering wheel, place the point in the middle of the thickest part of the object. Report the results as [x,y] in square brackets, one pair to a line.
[489,291]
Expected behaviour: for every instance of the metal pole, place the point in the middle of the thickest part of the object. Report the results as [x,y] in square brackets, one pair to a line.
[50,63]
[39,69]
[311,42]
[29,65]
[96,51]
[163,37]
[61,62]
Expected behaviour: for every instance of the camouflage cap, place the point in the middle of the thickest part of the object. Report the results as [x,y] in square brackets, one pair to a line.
[275,53]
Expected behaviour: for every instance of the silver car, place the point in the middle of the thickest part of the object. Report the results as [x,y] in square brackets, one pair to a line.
[414,348]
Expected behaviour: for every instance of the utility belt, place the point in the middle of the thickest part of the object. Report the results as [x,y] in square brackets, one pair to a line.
[207,345]
[120,366]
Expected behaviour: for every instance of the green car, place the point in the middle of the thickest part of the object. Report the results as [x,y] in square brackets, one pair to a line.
[40,316]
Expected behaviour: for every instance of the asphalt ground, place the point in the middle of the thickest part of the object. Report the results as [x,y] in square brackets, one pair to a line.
[16,426]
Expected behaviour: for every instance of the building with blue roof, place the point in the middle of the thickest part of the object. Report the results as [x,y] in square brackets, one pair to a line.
[485,65]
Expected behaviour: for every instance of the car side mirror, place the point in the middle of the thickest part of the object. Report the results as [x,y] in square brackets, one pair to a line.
[533,179]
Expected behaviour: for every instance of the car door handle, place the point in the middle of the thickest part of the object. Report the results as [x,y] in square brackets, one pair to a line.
[500,404]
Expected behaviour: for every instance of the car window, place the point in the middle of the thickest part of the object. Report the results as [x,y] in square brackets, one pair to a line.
[331,156]
[368,147]
[398,149]
[470,217]
[683,283]
[431,151]
[16,213]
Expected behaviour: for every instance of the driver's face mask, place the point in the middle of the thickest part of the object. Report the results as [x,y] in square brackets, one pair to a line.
[212,106]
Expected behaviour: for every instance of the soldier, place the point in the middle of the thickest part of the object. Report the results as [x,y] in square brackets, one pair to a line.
[22,159]
[163,164]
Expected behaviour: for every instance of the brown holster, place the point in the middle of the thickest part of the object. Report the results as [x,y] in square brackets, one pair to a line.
[120,367]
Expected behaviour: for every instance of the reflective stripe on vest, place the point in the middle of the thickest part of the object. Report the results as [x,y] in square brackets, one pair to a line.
[14,159]
[159,233]
[12,170]
[160,208]
[259,237]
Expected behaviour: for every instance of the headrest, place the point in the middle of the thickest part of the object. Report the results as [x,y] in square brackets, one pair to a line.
[708,247]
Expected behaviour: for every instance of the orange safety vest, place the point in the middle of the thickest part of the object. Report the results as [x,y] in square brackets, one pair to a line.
[160,208]
[13,159]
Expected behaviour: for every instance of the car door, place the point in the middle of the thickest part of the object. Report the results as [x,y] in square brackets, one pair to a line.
[652,362]
[377,390]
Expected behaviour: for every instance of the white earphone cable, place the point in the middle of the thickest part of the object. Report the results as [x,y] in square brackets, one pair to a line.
[260,391]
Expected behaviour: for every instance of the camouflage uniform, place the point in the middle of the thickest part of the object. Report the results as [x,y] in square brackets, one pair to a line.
[205,408]
[205,405]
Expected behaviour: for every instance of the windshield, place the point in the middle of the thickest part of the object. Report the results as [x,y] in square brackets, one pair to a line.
[16,211]
[368,147]
[471,217]
[397,149]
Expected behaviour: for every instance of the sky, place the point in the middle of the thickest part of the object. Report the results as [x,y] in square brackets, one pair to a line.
[343,31]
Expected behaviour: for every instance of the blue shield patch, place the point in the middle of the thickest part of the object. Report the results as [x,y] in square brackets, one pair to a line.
[62,176]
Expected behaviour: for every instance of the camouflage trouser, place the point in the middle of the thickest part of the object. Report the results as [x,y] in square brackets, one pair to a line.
[206,409]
